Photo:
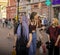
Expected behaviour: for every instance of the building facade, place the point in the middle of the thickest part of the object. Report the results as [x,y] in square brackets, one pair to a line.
[40,7]
[27,6]
[3,5]
[11,9]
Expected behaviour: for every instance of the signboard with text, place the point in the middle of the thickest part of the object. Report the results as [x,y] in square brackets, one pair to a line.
[55,2]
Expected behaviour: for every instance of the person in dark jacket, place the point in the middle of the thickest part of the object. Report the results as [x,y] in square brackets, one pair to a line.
[22,37]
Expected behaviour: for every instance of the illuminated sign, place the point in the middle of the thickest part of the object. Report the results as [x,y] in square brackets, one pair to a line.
[56,2]
[48,2]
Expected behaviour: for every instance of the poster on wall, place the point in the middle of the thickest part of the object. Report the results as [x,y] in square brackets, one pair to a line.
[55,2]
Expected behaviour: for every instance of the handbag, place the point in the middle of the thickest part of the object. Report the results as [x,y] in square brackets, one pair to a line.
[13,52]
[50,44]
[39,44]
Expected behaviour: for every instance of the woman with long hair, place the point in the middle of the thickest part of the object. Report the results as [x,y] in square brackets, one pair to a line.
[32,34]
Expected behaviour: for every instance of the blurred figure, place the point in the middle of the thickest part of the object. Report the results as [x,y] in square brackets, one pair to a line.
[38,29]
[3,21]
[54,37]
[42,37]
[22,32]
[0,20]
[6,22]
[45,21]
[15,27]
[32,33]
[38,34]
[9,24]
[39,22]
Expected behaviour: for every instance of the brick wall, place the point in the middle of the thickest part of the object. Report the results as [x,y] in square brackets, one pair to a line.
[11,9]
[12,2]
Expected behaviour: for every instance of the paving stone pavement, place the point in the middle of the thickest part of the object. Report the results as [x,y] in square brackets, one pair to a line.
[6,42]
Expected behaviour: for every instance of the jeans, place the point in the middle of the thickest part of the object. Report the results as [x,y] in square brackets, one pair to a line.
[32,49]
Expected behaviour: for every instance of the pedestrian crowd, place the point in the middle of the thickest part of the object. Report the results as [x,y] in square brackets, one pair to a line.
[36,33]
[7,22]
[32,33]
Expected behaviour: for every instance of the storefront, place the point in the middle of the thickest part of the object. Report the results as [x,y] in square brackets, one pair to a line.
[56,7]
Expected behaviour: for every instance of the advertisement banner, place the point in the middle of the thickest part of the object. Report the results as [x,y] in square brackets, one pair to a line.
[55,2]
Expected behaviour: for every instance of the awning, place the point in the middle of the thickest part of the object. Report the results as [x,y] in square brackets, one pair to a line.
[56,5]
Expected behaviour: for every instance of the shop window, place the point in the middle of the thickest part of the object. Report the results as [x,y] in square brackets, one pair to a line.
[56,11]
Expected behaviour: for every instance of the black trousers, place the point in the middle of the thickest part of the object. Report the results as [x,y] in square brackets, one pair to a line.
[20,50]
[53,51]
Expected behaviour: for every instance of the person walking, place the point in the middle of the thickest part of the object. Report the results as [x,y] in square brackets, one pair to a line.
[22,37]
[3,21]
[53,32]
[6,22]
[32,33]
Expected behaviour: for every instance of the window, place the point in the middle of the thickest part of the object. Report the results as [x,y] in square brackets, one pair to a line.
[36,0]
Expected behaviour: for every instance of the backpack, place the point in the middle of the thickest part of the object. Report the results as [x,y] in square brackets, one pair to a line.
[21,44]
